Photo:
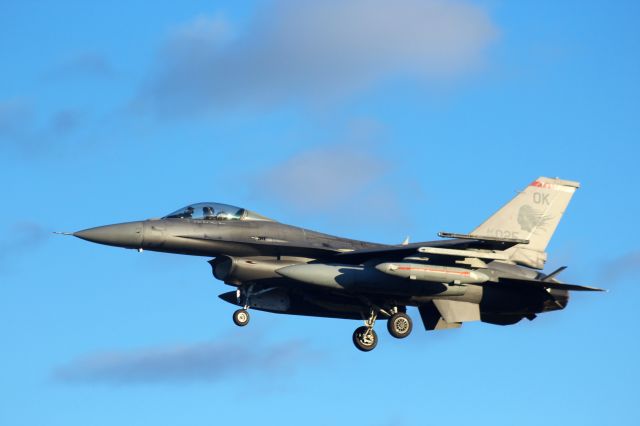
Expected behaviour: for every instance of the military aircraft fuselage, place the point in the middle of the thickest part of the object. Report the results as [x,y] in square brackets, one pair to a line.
[253,250]
[222,237]
[492,274]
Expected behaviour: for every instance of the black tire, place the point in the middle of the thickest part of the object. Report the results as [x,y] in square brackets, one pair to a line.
[241,317]
[400,325]
[365,339]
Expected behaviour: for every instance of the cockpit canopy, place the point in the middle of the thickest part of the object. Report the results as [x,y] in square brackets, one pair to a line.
[214,211]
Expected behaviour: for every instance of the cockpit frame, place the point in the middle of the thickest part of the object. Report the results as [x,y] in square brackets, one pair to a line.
[211,211]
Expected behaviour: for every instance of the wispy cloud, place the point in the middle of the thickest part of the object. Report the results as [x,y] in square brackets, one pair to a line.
[350,184]
[20,238]
[22,130]
[198,362]
[297,49]
[325,176]
[15,116]
[346,183]
[81,65]
[620,268]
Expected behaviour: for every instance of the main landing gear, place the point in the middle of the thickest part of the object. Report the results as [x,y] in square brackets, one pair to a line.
[365,337]
[399,325]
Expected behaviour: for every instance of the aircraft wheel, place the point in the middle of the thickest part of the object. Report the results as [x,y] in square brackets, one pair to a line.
[400,325]
[365,338]
[241,317]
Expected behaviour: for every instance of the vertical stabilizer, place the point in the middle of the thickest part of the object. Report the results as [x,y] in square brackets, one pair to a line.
[531,215]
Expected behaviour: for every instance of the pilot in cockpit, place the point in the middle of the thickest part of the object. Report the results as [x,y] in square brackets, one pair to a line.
[188,213]
[208,213]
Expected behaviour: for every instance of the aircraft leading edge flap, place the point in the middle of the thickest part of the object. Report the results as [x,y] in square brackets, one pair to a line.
[453,311]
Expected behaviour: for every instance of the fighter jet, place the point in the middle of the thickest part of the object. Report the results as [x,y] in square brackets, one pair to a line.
[492,274]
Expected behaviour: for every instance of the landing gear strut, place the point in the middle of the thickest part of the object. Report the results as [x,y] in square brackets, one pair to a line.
[365,337]
[399,325]
[241,317]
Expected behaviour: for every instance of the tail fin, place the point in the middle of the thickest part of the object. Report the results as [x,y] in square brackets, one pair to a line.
[531,215]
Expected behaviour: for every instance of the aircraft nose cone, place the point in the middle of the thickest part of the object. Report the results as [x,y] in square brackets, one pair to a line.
[128,235]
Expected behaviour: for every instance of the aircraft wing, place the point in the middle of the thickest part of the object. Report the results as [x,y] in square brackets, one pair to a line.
[458,247]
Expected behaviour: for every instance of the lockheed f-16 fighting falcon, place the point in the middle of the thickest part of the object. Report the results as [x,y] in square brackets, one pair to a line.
[492,274]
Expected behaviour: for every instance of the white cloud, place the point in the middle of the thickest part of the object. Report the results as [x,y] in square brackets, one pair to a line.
[622,267]
[307,49]
[327,177]
[322,177]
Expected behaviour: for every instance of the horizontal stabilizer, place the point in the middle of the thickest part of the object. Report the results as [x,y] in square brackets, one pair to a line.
[554,273]
[548,284]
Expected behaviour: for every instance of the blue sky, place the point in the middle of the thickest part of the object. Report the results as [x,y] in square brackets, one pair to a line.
[369,119]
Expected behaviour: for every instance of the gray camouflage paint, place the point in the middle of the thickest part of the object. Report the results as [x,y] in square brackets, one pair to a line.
[297,271]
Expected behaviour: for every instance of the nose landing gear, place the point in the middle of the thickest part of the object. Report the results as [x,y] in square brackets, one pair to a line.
[241,317]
